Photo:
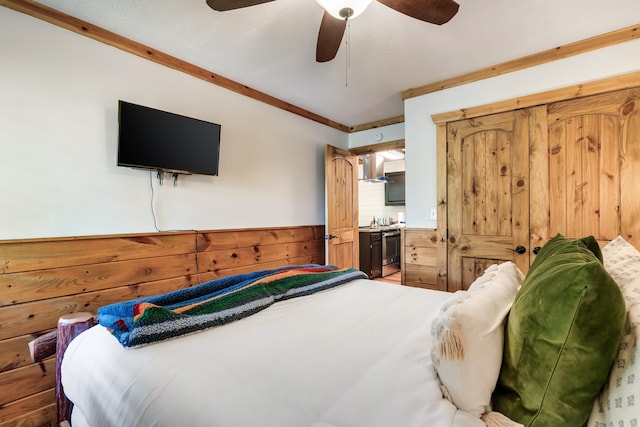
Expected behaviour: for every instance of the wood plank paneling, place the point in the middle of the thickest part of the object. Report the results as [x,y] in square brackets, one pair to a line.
[14,352]
[520,190]
[472,268]
[309,259]
[587,137]
[490,247]
[44,416]
[422,276]
[43,279]
[26,381]
[42,315]
[442,228]
[503,179]
[492,184]
[539,157]
[420,258]
[213,261]
[480,189]
[46,284]
[590,188]
[609,179]
[40,254]
[232,239]
[571,175]
[630,167]
[28,404]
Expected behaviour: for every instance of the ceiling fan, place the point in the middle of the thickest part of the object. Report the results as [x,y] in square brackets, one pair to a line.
[337,12]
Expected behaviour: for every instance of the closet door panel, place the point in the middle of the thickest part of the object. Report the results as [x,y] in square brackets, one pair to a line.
[630,168]
[585,137]
[610,194]
[488,195]
[540,184]
[520,177]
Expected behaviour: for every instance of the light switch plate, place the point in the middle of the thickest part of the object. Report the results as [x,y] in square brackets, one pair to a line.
[434,214]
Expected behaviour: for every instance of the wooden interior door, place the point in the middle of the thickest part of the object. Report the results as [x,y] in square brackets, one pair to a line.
[488,194]
[571,167]
[593,141]
[341,180]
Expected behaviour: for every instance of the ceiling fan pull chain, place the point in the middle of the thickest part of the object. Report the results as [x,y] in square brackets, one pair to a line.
[348,52]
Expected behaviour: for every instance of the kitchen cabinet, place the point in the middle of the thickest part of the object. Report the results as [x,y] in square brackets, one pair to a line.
[371,253]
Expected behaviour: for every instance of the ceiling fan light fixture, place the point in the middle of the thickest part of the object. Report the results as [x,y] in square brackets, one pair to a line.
[343,9]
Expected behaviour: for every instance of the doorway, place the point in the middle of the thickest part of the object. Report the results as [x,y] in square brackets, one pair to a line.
[381,207]
[375,201]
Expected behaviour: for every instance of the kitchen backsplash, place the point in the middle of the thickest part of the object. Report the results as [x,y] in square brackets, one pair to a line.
[371,198]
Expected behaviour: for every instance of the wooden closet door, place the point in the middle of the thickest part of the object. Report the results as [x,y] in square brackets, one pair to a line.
[594,150]
[488,194]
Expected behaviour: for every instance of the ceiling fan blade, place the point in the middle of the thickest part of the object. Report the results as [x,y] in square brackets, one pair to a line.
[329,37]
[224,5]
[432,11]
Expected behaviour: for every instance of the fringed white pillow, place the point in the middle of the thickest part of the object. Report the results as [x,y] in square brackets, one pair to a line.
[619,402]
[468,335]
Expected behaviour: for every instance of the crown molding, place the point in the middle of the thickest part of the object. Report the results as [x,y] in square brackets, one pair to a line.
[550,55]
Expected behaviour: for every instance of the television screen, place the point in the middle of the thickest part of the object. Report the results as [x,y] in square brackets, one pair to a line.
[154,139]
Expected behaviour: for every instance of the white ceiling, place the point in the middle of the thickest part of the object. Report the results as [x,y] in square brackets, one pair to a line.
[271,47]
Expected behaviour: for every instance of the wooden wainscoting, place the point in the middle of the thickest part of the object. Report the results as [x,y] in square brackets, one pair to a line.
[43,279]
[419,258]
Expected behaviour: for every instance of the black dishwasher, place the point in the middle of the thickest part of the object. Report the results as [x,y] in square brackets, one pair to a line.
[371,253]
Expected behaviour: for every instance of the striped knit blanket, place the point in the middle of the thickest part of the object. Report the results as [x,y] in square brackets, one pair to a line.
[146,320]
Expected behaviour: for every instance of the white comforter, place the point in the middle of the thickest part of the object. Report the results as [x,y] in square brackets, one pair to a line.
[356,355]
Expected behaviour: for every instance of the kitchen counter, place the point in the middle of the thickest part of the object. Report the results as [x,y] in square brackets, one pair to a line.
[380,228]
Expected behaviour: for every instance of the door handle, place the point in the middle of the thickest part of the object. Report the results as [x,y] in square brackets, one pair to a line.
[330,236]
[520,250]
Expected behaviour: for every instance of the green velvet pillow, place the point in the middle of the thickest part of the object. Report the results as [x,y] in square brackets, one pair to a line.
[561,244]
[561,338]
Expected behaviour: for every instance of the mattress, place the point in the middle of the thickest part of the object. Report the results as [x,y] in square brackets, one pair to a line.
[355,355]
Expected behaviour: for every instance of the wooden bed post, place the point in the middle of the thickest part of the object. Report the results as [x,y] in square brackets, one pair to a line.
[69,326]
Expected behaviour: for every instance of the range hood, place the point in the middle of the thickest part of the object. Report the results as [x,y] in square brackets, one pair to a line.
[372,169]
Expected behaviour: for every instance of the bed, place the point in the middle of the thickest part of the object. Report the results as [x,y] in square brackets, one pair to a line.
[357,354]
[362,353]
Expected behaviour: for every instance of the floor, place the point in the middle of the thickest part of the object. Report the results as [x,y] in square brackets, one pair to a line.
[392,278]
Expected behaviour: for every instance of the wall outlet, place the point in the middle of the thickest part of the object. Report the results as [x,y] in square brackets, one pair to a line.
[434,214]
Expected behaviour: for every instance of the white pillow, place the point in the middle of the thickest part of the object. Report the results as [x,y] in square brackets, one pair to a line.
[468,335]
[619,402]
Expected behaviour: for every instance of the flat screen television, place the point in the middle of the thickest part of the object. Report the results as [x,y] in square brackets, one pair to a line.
[394,189]
[159,140]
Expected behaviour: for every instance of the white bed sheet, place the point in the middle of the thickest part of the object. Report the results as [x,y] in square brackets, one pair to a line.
[355,355]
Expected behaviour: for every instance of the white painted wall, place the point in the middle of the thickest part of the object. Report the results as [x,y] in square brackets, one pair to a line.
[420,131]
[58,144]
[58,139]
[377,135]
